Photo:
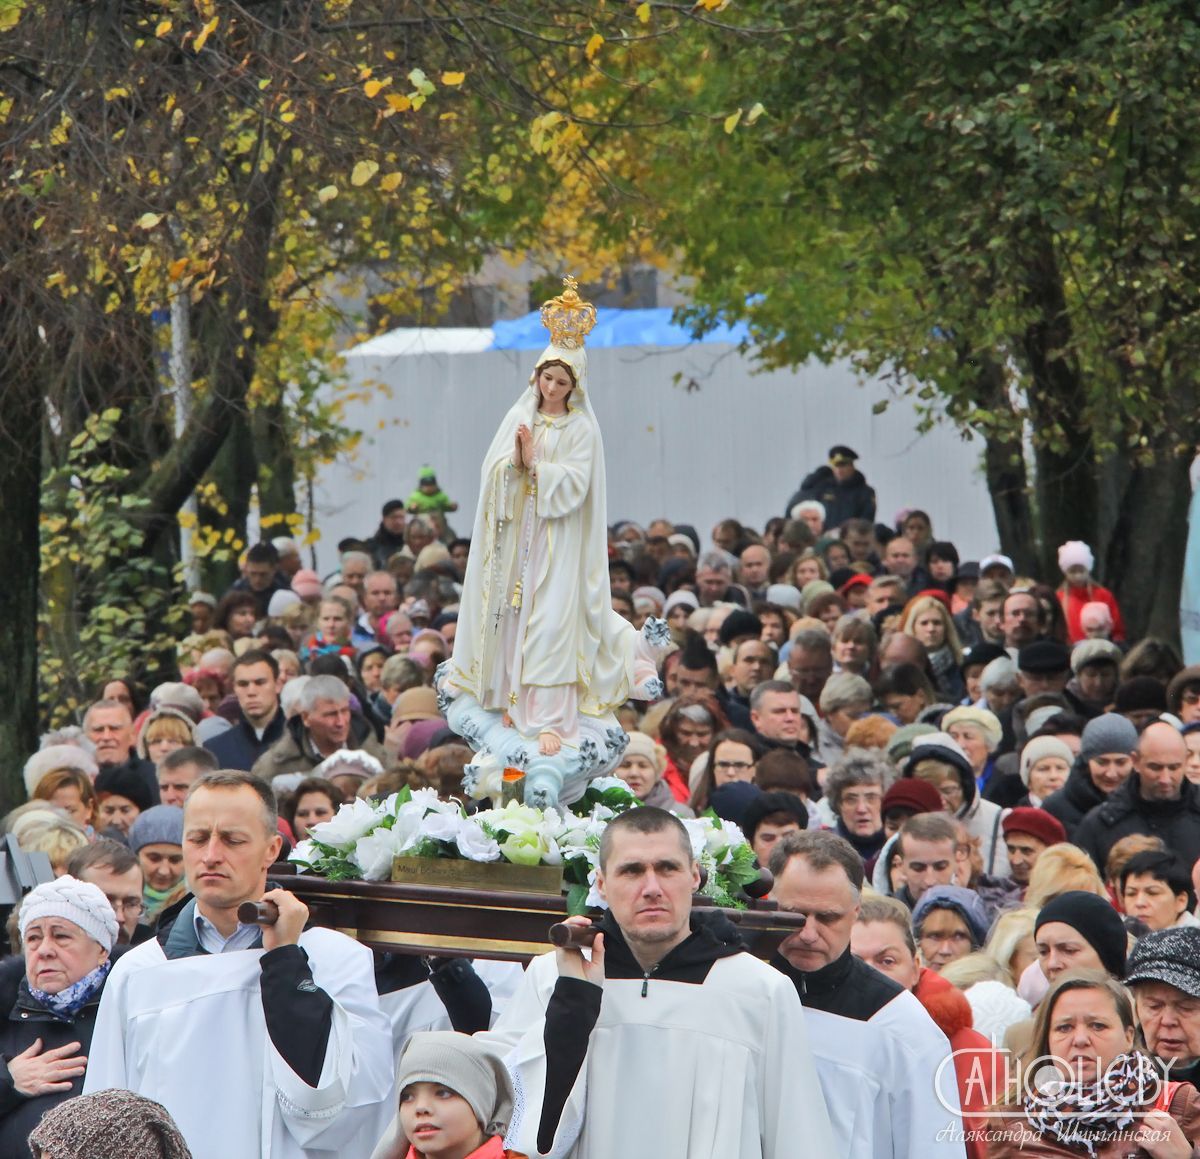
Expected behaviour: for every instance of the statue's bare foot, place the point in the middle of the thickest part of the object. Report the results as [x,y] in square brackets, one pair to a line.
[506,720]
[548,744]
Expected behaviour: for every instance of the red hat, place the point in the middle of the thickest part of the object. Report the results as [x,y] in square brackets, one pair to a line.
[910,793]
[936,594]
[1036,822]
[855,581]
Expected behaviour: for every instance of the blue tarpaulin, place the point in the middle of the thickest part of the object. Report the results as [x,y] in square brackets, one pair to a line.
[614,328]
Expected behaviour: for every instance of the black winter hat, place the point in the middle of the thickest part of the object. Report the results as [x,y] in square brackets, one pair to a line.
[740,625]
[1095,919]
[126,781]
[1140,693]
[1044,656]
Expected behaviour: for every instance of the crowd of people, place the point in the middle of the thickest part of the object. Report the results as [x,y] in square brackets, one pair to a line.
[982,795]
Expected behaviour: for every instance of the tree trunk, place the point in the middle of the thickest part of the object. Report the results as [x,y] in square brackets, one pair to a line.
[20,489]
[233,474]
[276,467]
[232,363]
[1004,465]
[1144,560]
[1064,452]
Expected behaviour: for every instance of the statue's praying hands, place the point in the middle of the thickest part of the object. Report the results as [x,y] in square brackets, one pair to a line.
[523,449]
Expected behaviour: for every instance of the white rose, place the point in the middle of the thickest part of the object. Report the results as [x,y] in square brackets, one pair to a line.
[428,798]
[733,833]
[602,784]
[593,897]
[352,821]
[407,830]
[440,826]
[305,851]
[715,840]
[473,843]
[697,831]
[373,854]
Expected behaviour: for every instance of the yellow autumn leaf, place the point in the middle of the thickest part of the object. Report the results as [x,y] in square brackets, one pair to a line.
[643,13]
[163,27]
[453,78]
[363,172]
[205,33]
[10,13]
[594,44]
[176,268]
[398,101]
[391,181]
[327,193]
[731,121]
[372,87]
[756,111]
[149,220]
[116,93]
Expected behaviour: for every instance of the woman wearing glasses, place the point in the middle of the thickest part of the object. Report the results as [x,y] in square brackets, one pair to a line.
[732,756]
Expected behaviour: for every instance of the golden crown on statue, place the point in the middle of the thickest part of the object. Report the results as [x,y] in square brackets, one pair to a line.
[568,318]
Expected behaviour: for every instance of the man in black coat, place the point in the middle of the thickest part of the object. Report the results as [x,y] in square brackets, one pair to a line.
[1156,800]
[108,724]
[261,720]
[389,536]
[839,487]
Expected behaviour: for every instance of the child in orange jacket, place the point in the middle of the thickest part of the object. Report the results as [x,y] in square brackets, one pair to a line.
[455,1100]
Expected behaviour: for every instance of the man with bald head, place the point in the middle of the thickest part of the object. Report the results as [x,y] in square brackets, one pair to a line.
[901,648]
[753,568]
[1156,800]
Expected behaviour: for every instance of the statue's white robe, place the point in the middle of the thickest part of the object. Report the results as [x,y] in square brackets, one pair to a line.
[563,651]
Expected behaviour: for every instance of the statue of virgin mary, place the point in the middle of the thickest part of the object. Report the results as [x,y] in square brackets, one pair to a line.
[537,638]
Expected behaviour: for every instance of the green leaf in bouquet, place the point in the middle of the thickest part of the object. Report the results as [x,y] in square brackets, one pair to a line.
[577,898]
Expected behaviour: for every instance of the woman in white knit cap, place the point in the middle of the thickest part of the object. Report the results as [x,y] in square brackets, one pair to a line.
[48,1002]
[642,768]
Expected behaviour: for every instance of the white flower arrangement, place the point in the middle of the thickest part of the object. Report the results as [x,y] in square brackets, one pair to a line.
[362,840]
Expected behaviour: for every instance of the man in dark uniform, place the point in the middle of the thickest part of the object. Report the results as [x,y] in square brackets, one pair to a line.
[840,488]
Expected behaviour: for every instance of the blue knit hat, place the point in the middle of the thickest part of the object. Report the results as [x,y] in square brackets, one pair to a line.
[162,825]
[964,902]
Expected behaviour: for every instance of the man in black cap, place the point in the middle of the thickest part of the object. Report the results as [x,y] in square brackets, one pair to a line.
[1164,975]
[1043,667]
[1156,800]
[1141,700]
[771,817]
[839,487]
[389,536]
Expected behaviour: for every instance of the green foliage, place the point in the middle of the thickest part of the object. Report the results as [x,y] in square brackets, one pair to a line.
[937,185]
[123,612]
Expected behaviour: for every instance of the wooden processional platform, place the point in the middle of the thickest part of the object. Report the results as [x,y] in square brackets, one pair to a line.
[453,921]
